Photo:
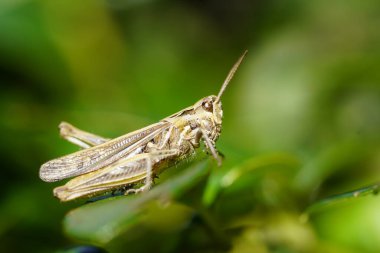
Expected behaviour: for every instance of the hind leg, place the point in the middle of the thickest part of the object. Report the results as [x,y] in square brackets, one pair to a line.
[79,137]
[150,157]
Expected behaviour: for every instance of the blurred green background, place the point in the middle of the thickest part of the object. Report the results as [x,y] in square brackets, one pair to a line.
[301,118]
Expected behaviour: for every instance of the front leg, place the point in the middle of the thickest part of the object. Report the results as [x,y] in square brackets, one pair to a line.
[210,146]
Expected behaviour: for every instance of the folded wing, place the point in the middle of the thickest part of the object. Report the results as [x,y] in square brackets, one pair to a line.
[94,158]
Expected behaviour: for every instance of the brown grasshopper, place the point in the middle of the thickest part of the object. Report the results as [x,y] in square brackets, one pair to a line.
[105,165]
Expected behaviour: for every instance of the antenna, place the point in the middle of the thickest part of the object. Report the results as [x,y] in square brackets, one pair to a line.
[230,75]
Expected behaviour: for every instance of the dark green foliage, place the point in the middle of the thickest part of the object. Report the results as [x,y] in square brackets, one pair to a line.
[300,131]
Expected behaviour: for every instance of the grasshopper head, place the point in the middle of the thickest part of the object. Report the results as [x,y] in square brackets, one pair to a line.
[209,114]
[211,107]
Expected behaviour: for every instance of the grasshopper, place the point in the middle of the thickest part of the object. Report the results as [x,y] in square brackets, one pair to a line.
[105,165]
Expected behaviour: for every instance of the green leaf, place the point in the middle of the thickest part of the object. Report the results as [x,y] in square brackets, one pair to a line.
[342,197]
[218,182]
[101,221]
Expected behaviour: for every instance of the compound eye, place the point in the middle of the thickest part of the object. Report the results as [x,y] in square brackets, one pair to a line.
[207,106]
